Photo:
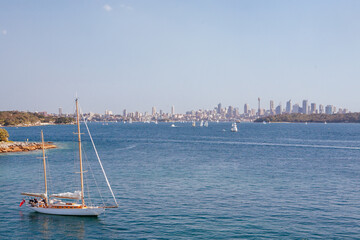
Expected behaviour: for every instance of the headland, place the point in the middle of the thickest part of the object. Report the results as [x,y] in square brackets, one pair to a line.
[7,147]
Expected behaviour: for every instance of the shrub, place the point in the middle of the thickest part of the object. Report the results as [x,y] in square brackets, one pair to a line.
[4,135]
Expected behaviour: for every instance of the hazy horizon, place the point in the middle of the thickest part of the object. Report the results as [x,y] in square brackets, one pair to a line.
[133,55]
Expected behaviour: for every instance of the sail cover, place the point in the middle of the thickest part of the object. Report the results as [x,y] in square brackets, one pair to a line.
[70,195]
[41,195]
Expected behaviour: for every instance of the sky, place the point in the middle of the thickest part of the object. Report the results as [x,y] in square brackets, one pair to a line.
[135,54]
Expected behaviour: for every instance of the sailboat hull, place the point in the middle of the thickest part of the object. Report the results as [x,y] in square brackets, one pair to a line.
[89,211]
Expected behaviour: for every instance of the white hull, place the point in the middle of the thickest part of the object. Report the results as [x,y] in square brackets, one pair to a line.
[89,211]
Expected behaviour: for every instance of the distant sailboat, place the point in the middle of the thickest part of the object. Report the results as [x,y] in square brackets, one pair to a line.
[50,204]
[201,123]
[173,125]
[194,124]
[206,124]
[234,127]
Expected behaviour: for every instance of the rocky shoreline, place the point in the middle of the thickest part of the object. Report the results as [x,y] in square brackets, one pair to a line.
[6,147]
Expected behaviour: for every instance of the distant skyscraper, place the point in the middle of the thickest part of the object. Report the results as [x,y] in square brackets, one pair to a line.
[313,108]
[246,108]
[329,109]
[60,111]
[296,108]
[321,109]
[288,106]
[172,110]
[124,113]
[219,108]
[305,107]
[278,109]
[230,111]
[259,109]
[153,111]
[236,112]
[272,109]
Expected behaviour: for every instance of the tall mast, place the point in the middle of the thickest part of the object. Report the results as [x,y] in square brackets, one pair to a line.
[80,156]
[44,161]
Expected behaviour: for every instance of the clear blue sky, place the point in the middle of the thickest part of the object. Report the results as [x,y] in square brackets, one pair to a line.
[191,54]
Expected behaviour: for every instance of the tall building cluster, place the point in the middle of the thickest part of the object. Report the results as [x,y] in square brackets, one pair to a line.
[220,113]
[304,108]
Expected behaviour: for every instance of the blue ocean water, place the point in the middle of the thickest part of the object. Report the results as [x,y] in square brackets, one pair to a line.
[274,181]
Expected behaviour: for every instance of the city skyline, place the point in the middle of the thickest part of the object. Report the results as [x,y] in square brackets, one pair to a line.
[304,107]
[191,55]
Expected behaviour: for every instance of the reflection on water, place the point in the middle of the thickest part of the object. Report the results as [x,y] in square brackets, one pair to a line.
[50,226]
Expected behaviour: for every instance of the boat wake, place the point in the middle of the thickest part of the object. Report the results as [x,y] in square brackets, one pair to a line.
[126,148]
[256,144]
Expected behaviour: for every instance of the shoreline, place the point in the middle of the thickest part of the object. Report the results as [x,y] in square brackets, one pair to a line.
[9,147]
[36,125]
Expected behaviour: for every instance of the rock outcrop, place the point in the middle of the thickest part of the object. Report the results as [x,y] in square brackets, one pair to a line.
[6,147]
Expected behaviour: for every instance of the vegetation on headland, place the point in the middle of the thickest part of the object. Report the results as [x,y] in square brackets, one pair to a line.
[16,118]
[7,146]
[316,118]
[4,135]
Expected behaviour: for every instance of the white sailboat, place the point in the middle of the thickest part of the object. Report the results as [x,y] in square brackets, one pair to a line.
[206,124]
[234,127]
[50,204]
[201,123]
[194,124]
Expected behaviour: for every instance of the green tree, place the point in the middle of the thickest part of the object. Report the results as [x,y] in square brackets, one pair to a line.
[4,135]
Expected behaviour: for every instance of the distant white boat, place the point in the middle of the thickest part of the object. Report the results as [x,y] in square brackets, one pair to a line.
[201,123]
[325,122]
[194,124]
[130,120]
[173,125]
[234,127]
[206,124]
[264,122]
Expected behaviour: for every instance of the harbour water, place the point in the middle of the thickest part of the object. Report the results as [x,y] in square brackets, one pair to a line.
[275,181]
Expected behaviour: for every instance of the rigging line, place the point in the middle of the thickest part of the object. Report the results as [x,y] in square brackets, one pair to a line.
[40,178]
[92,172]
[97,155]
[87,178]
[76,182]
[88,190]
[49,175]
